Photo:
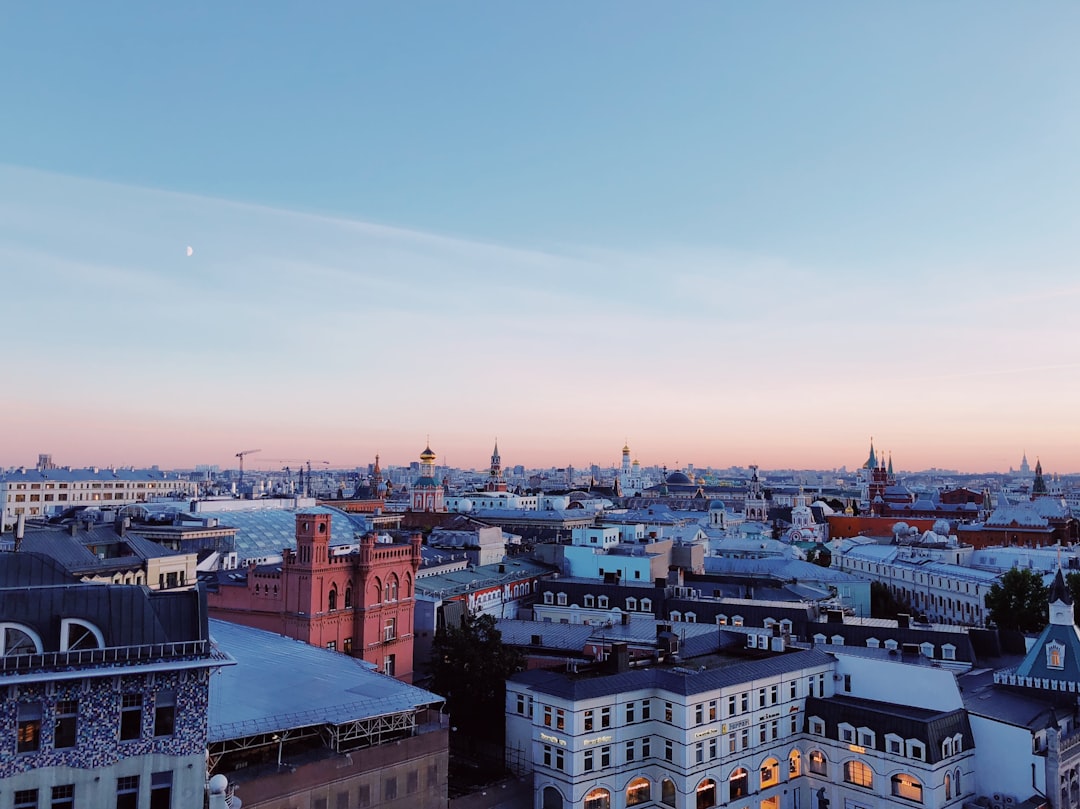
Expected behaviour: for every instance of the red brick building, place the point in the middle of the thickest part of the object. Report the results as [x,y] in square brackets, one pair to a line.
[359,603]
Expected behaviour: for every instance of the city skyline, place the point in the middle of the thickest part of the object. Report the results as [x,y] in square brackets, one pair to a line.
[727,235]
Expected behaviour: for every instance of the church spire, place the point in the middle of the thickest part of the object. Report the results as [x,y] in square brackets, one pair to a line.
[1039,486]
[871,462]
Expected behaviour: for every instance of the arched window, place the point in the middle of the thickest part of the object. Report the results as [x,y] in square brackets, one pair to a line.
[376,591]
[392,588]
[706,794]
[408,586]
[908,787]
[598,798]
[331,600]
[667,792]
[770,772]
[76,634]
[16,639]
[738,784]
[818,764]
[638,791]
[552,798]
[794,764]
[646,605]
[956,782]
[948,787]
[348,596]
[858,773]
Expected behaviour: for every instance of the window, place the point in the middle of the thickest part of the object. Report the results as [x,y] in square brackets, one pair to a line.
[631,606]
[738,784]
[346,646]
[646,746]
[552,798]
[65,728]
[699,713]
[331,600]
[629,751]
[646,710]
[589,601]
[63,797]
[131,717]
[598,798]
[18,640]
[770,772]
[712,711]
[605,757]
[858,773]
[744,701]
[916,750]
[646,605]
[668,712]
[548,598]
[667,792]
[819,765]
[127,792]
[588,720]
[589,761]
[948,652]
[1055,656]
[161,790]
[847,733]
[669,750]
[721,620]
[165,713]
[907,787]
[389,788]
[389,629]
[348,597]
[561,598]
[28,734]
[638,791]
[76,635]
[794,764]
[894,744]
[389,665]
[26,799]
[866,738]
[605,717]
[331,645]
[774,694]
[602,602]
[706,794]
[948,787]
[630,712]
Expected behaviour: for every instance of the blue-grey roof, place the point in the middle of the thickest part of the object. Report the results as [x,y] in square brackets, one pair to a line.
[266,532]
[455,582]
[280,683]
[777,567]
[91,474]
[679,681]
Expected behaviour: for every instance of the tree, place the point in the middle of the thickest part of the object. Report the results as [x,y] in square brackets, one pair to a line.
[1018,601]
[470,664]
[883,604]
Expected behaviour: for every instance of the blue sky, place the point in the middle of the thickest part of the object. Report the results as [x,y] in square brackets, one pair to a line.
[730,233]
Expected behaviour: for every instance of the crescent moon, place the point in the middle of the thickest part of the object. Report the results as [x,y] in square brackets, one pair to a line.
[190,250]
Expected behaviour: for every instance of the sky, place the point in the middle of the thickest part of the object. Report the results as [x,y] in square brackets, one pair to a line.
[724,233]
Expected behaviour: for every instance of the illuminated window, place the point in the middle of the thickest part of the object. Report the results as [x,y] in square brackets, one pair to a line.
[667,792]
[738,784]
[905,786]
[770,772]
[598,798]
[794,764]
[858,773]
[706,794]
[819,765]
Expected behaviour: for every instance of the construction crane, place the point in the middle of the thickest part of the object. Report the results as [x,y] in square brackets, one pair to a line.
[241,455]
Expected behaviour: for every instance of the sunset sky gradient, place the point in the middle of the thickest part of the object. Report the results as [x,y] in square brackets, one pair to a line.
[726,233]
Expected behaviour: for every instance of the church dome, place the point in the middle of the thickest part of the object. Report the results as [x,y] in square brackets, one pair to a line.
[679,479]
[427,454]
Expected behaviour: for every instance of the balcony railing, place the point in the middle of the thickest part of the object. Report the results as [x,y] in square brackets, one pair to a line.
[112,655]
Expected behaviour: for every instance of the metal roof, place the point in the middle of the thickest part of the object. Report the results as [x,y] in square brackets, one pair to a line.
[266,532]
[279,683]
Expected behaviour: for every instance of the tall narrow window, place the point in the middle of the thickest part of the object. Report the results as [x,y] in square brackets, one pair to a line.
[28,734]
[165,713]
[66,726]
[127,792]
[131,717]
[63,797]
[161,790]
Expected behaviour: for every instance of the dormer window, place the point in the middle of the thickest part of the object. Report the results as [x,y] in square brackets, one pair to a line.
[16,639]
[631,604]
[1055,655]
[561,599]
[589,601]
[602,602]
[76,635]
[549,598]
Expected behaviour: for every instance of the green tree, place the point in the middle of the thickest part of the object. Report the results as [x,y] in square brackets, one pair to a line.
[1072,581]
[883,604]
[1018,601]
[470,664]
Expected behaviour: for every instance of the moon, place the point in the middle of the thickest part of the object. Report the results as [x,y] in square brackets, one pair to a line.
[190,251]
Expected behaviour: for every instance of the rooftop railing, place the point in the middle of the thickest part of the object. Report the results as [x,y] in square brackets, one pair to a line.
[112,655]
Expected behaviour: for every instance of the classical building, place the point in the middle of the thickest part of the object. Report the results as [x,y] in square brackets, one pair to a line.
[106,690]
[359,602]
[760,726]
[49,491]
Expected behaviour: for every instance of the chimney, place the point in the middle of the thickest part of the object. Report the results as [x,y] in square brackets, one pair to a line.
[620,657]
[835,616]
[20,530]
[73,528]
[903,620]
